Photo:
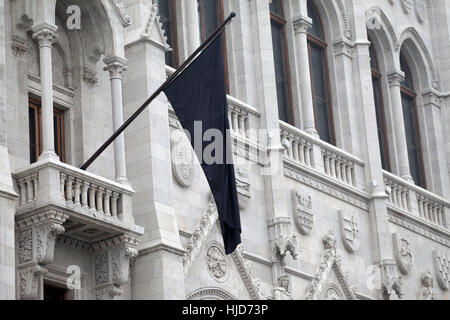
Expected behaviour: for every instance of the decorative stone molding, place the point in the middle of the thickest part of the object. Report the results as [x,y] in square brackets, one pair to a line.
[381,19]
[154,21]
[19,46]
[216,262]
[90,76]
[115,65]
[119,9]
[36,235]
[283,291]
[344,47]
[402,251]
[441,263]
[302,24]
[197,239]
[350,226]
[325,266]
[243,186]
[210,293]
[395,78]
[45,34]
[390,283]
[303,211]
[281,242]
[111,266]
[407,5]
[244,269]
[427,292]
[347,28]
[182,157]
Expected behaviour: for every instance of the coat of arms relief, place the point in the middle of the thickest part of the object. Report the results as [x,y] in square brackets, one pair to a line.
[350,226]
[442,269]
[403,252]
[303,211]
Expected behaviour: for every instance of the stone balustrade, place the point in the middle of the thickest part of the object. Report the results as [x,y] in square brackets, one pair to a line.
[308,151]
[416,201]
[74,190]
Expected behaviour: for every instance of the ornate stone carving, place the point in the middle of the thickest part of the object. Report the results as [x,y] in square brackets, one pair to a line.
[350,223]
[31,282]
[19,46]
[154,21]
[182,159]
[421,9]
[283,291]
[428,287]
[119,9]
[333,293]
[216,262]
[282,242]
[45,238]
[207,221]
[245,270]
[45,34]
[111,265]
[243,187]
[303,214]
[391,284]
[25,242]
[403,254]
[90,76]
[442,269]
[406,5]
[325,266]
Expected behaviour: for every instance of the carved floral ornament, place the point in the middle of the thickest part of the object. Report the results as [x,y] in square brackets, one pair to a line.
[217,262]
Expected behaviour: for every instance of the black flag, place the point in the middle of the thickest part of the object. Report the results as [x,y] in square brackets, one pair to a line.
[198,95]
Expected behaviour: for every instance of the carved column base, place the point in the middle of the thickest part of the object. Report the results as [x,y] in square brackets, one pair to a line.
[282,243]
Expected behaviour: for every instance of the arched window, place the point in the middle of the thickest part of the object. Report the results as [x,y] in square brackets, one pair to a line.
[320,82]
[210,17]
[412,125]
[379,109]
[168,18]
[280,56]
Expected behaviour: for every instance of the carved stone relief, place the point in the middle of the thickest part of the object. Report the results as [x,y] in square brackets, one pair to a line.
[283,291]
[442,269]
[403,253]
[350,224]
[427,292]
[182,159]
[216,262]
[303,213]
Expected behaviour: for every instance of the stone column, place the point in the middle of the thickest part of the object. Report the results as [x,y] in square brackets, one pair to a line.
[187,27]
[395,79]
[115,66]
[301,26]
[46,35]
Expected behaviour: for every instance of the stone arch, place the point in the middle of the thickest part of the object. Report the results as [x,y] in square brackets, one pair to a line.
[417,53]
[333,13]
[210,293]
[384,39]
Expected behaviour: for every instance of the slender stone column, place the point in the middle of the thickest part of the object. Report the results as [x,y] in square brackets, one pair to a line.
[46,35]
[395,79]
[116,66]
[301,25]
[188,28]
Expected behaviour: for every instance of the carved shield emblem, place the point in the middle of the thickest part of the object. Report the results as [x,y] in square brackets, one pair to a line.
[182,160]
[403,253]
[350,231]
[303,214]
[442,269]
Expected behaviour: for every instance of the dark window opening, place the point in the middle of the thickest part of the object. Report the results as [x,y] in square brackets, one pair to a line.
[53,293]
[167,13]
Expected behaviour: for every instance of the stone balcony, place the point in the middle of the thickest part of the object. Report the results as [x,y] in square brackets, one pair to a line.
[58,202]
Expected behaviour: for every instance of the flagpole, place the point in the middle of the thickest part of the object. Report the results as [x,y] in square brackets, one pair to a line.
[163,87]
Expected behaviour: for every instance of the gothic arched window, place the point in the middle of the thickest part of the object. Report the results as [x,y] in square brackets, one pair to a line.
[320,82]
[412,130]
[210,17]
[379,109]
[167,13]
[278,26]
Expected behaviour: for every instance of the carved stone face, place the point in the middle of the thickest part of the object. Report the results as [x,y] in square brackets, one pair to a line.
[283,282]
[427,279]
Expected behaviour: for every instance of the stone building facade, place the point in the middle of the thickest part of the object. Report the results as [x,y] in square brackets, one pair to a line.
[340,113]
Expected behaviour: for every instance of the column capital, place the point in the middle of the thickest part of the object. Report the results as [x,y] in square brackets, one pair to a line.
[45,34]
[345,47]
[115,65]
[396,77]
[302,24]
[432,97]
